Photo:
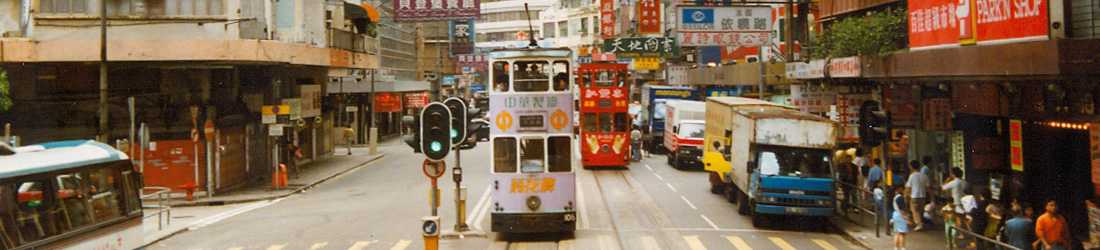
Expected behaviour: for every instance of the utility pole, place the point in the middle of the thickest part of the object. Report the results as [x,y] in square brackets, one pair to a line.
[103,71]
[789,32]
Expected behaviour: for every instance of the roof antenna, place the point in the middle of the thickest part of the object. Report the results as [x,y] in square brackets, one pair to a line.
[531,34]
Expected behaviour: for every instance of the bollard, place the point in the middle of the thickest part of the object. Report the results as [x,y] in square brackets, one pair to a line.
[430,231]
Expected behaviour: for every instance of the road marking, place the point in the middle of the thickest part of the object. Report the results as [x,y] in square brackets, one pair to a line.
[694,243]
[649,243]
[581,208]
[401,245]
[605,242]
[482,203]
[658,176]
[647,167]
[738,243]
[565,244]
[236,248]
[824,244]
[670,187]
[781,243]
[224,215]
[712,225]
[688,202]
[359,245]
[318,246]
[276,247]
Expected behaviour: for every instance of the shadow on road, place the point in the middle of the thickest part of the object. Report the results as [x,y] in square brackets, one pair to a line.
[535,237]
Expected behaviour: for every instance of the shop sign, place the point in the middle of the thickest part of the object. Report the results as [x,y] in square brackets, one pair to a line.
[295,107]
[647,63]
[387,102]
[603,57]
[812,97]
[1016,151]
[937,23]
[584,59]
[958,151]
[416,100]
[462,37]
[311,100]
[1000,20]
[472,60]
[845,67]
[936,114]
[724,26]
[678,75]
[607,18]
[902,102]
[650,17]
[1094,154]
[642,47]
[435,10]
[847,109]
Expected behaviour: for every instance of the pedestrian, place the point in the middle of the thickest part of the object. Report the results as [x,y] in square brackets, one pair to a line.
[849,174]
[918,196]
[636,143]
[949,220]
[294,154]
[901,223]
[874,175]
[862,162]
[979,217]
[957,186]
[1018,231]
[926,168]
[1051,229]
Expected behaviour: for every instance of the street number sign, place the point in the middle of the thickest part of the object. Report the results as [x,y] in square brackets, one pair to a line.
[434,169]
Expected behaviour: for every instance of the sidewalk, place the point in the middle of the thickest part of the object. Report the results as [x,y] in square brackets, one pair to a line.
[860,226]
[186,214]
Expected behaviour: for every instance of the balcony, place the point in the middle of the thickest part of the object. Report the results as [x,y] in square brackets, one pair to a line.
[350,41]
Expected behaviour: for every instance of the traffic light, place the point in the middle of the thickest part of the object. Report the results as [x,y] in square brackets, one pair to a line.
[458,119]
[435,124]
[413,140]
[874,124]
[472,127]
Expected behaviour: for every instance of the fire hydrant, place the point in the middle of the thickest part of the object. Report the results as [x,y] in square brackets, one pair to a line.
[190,189]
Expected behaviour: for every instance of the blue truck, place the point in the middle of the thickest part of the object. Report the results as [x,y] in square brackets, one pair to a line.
[653,112]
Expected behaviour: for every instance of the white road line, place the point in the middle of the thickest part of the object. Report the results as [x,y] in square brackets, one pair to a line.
[694,242]
[738,243]
[276,247]
[688,202]
[582,210]
[318,246]
[224,215]
[359,245]
[648,167]
[649,243]
[712,225]
[658,176]
[670,187]
[401,245]
[481,203]
[824,244]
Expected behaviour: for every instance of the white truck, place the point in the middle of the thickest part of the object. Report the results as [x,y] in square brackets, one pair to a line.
[683,136]
[769,158]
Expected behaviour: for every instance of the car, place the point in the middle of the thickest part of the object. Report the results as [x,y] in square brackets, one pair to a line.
[482,132]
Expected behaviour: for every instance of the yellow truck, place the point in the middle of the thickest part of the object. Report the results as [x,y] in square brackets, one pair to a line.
[770,159]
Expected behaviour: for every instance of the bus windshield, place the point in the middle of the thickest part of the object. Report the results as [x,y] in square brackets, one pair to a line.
[691,130]
[796,162]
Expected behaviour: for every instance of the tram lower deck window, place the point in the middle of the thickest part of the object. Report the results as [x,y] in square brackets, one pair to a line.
[504,152]
[560,153]
[532,155]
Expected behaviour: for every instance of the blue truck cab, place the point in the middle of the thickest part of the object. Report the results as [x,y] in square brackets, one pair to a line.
[654,110]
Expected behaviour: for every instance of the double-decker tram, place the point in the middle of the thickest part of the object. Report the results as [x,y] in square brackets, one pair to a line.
[531,129]
[69,195]
[604,117]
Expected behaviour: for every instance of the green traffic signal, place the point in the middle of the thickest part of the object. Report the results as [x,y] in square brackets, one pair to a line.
[454,133]
[436,146]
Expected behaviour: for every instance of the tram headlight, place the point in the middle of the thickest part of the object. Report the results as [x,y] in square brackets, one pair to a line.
[605,148]
[534,202]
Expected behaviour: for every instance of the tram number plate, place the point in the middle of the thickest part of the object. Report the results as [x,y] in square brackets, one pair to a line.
[531,121]
[570,217]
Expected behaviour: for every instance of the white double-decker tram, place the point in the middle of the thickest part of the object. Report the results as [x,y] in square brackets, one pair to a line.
[533,186]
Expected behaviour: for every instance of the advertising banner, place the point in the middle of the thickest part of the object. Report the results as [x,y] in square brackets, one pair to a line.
[937,23]
[472,60]
[812,97]
[546,113]
[1016,147]
[642,47]
[462,37]
[678,75]
[416,100]
[847,108]
[311,100]
[649,12]
[607,18]
[901,102]
[387,102]
[724,26]
[435,10]
[1002,20]
[647,63]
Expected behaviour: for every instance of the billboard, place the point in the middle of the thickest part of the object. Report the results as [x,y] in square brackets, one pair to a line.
[642,47]
[607,18]
[434,10]
[649,12]
[724,26]
[462,37]
[938,23]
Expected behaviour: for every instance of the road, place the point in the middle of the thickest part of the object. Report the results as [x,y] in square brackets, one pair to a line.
[648,205]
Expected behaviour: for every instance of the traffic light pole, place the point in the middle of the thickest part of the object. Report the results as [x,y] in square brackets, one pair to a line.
[460,194]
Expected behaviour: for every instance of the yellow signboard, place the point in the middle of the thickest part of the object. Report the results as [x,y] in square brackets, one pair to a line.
[533,185]
[647,63]
[276,110]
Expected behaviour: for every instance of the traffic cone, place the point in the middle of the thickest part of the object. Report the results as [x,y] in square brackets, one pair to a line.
[278,178]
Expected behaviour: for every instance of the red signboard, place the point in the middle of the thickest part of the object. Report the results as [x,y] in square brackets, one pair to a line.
[1016,146]
[173,163]
[934,22]
[428,10]
[649,12]
[1015,19]
[387,102]
[607,18]
[946,22]
[902,103]
[416,100]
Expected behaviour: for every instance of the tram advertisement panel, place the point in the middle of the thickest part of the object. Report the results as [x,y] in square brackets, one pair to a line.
[555,190]
[531,113]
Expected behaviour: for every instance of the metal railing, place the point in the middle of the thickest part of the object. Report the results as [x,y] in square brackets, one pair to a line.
[163,204]
[872,209]
[951,244]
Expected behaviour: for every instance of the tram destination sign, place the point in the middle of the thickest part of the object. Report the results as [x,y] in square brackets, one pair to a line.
[642,47]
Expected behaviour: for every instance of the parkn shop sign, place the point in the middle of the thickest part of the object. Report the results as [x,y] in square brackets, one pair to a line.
[942,23]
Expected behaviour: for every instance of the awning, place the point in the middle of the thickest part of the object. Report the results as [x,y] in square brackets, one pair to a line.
[360,11]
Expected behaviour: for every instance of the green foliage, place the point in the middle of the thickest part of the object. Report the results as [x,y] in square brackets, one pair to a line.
[372,29]
[5,91]
[878,33]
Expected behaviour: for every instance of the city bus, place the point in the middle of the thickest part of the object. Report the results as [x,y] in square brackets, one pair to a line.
[69,195]
[604,116]
[531,130]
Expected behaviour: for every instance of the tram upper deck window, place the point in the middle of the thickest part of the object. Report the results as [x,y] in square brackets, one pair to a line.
[605,79]
[586,78]
[532,76]
[622,78]
[560,153]
[504,152]
[561,76]
[500,76]
[532,155]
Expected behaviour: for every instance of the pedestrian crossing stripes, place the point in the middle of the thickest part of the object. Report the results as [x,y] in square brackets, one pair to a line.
[650,243]
[824,244]
[694,242]
[738,243]
[401,245]
[318,246]
[781,243]
[276,247]
[605,242]
[359,245]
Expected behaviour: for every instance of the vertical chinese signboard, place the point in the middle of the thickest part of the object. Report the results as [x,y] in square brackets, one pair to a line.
[431,10]
[462,37]
[935,23]
[936,114]
[901,102]
[677,75]
[607,18]
[1094,153]
[650,17]
[724,26]
[1016,147]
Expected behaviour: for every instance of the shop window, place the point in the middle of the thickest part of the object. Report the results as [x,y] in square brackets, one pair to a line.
[504,152]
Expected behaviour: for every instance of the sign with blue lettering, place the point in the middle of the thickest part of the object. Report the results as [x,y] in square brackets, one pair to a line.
[724,26]
[476,88]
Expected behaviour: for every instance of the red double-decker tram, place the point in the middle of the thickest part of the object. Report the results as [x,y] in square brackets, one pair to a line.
[605,122]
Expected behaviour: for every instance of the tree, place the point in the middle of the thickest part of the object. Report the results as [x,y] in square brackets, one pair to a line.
[5,100]
[878,33]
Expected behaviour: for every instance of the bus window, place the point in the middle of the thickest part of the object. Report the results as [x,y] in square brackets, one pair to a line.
[104,194]
[590,122]
[34,211]
[532,76]
[500,76]
[561,76]
[72,192]
[133,204]
[560,153]
[8,229]
[622,120]
[504,152]
[605,122]
[532,155]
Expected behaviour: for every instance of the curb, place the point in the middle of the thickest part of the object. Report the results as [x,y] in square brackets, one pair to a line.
[848,236]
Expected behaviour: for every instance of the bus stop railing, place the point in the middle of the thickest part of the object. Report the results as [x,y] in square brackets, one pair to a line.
[871,209]
[954,229]
[161,204]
